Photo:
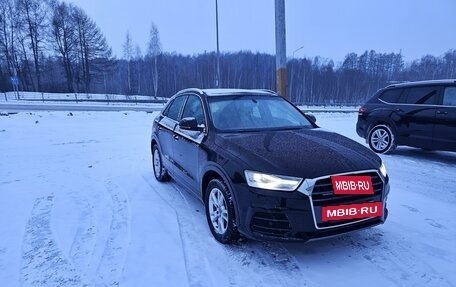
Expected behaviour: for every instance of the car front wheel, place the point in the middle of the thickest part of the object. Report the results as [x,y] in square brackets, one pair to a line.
[159,170]
[381,139]
[220,212]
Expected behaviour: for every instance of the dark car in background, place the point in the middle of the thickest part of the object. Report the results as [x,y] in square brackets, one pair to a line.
[265,170]
[417,114]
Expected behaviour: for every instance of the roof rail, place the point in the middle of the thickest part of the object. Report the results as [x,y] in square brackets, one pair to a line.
[267,90]
[195,90]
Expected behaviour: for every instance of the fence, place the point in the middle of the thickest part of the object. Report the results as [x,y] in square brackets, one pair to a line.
[80,98]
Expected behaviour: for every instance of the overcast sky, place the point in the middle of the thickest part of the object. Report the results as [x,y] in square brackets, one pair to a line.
[327,28]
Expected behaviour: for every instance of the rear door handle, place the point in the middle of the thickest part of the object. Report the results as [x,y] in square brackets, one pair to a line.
[442,113]
[175,137]
[400,110]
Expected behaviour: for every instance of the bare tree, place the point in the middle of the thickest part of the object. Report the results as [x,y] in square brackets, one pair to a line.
[154,49]
[65,39]
[138,58]
[94,54]
[7,33]
[33,16]
[128,55]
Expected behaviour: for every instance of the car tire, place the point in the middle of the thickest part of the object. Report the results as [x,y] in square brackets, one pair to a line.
[220,212]
[160,172]
[381,139]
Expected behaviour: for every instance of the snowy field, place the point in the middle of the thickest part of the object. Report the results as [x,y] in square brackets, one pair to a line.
[79,207]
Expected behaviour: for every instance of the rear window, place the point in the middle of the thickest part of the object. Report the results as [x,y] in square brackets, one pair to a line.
[449,97]
[391,96]
[420,95]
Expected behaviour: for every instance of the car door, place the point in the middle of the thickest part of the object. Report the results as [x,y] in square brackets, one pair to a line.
[186,143]
[415,115]
[445,128]
[165,133]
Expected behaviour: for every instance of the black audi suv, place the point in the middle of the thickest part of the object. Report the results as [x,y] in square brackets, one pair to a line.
[417,114]
[264,169]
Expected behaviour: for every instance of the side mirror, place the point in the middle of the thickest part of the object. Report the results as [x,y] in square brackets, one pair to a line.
[312,118]
[190,124]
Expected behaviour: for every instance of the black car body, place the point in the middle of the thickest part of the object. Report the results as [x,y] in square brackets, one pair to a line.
[274,178]
[417,114]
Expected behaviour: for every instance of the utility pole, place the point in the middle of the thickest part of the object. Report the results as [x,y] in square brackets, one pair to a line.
[281,49]
[217,80]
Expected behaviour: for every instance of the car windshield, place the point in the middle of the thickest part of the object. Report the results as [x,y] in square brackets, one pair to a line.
[252,112]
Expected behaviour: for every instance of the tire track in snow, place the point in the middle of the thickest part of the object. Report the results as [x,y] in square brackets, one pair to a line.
[269,263]
[84,243]
[112,262]
[266,264]
[182,203]
[43,263]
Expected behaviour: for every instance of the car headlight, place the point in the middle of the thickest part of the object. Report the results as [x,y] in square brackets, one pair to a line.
[271,181]
[383,169]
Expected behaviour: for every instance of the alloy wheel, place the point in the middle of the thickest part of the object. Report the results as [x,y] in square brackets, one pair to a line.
[218,211]
[157,163]
[380,139]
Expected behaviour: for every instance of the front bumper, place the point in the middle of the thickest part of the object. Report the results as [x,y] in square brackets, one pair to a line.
[290,216]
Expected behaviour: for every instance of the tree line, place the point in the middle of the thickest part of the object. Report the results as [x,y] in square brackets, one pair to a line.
[53,46]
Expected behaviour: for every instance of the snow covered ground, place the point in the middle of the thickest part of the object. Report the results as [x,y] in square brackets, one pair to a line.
[79,207]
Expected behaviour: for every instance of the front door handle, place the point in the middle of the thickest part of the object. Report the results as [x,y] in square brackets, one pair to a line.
[175,137]
[442,113]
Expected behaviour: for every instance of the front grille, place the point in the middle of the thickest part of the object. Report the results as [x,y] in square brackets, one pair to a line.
[270,223]
[323,195]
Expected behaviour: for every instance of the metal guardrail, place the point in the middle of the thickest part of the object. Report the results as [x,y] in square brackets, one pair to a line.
[79,98]
[94,101]
[14,107]
[17,107]
[329,109]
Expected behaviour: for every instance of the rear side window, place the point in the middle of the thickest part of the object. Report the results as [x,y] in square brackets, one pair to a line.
[420,95]
[449,97]
[391,96]
[174,108]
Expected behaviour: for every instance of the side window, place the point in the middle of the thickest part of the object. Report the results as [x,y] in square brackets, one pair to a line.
[391,96]
[194,108]
[422,95]
[175,107]
[449,97]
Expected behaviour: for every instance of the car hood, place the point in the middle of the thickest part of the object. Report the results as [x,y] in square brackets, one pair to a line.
[307,153]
